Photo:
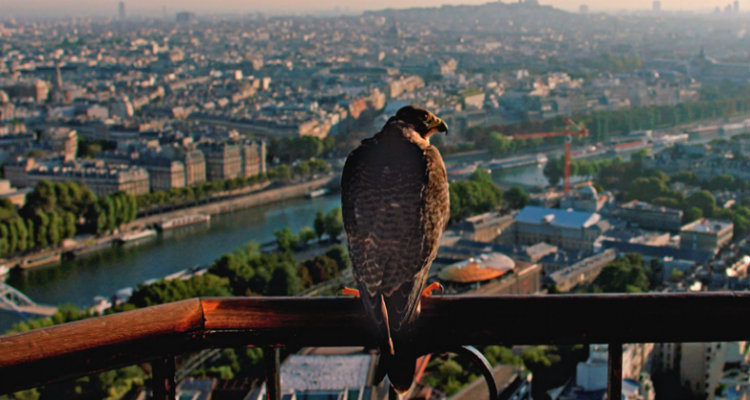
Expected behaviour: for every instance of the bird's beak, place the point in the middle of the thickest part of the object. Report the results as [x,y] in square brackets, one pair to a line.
[437,123]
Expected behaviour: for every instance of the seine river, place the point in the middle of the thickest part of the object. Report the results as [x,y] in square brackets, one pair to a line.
[78,281]
[102,274]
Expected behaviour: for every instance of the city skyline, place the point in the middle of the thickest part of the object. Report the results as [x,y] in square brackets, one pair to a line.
[144,8]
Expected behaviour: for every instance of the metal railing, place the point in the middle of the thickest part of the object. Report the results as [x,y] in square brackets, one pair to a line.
[157,334]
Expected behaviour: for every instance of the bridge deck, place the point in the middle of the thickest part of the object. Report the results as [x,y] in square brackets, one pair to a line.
[38,309]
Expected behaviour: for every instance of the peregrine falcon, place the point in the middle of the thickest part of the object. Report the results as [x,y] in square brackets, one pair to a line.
[395,203]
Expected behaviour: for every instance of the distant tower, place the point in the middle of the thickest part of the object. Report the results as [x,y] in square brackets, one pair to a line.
[121,10]
[657,5]
[584,9]
[737,6]
[58,77]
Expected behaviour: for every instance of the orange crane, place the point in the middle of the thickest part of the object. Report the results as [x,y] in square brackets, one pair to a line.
[567,133]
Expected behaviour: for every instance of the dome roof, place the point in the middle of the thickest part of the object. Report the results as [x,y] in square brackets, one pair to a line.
[482,268]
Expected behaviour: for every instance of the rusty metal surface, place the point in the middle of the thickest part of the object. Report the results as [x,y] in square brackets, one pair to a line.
[79,348]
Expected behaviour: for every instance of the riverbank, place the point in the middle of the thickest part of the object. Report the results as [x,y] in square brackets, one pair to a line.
[252,199]
[240,201]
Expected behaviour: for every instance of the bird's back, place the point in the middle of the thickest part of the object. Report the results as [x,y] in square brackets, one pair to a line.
[395,206]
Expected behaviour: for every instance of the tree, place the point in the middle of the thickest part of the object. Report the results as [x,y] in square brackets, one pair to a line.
[623,275]
[691,214]
[306,235]
[284,281]
[500,144]
[338,253]
[69,224]
[334,223]
[721,182]
[516,197]
[321,268]
[553,170]
[704,200]
[285,239]
[320,224]
[42,198]
[647,189]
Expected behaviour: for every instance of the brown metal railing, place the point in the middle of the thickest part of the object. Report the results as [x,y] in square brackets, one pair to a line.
[156,334]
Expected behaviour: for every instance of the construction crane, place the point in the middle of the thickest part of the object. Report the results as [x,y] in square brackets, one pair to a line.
[568,134]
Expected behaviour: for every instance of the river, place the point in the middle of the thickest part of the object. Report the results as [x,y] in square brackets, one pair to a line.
[78,281]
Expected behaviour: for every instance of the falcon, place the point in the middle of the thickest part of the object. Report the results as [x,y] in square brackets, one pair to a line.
[395,204]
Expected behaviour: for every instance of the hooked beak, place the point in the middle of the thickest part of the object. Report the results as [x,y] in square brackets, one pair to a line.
[439,124]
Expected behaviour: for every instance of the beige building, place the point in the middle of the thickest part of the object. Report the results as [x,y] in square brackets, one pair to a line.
[61,140]
[254,158]
[195,167]
[706,235]
[165,174]
[701,366]
[649,216]
[223,161]
[16,196]
[102,180]
[485,227]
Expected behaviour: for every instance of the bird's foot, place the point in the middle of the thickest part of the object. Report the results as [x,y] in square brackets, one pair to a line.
[432,287]
[347,291]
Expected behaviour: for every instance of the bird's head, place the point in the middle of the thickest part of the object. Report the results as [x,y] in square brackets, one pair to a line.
[423,121]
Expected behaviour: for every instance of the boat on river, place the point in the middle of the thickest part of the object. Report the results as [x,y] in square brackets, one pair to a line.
[137,236]
[38,261]
[316,193]
[185,220]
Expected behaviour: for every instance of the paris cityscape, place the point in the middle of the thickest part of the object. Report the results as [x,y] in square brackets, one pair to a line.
[154,155]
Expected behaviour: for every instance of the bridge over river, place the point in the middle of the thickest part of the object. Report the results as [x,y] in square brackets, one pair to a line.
[11,299]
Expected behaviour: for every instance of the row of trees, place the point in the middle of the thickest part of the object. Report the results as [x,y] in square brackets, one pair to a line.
[330,224]
[57,211]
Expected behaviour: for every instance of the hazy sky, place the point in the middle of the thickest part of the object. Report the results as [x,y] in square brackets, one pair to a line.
[64,8]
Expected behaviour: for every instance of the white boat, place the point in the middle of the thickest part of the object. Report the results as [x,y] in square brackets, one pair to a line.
[316,193]
[136,236]
[189,219]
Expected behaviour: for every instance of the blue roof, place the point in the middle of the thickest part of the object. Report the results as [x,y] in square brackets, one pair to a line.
[557,217]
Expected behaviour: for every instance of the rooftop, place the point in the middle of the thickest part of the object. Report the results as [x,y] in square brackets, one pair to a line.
[557,217]
[316,372]
[705,225]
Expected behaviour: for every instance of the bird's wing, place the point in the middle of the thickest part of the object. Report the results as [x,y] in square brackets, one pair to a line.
[395,203]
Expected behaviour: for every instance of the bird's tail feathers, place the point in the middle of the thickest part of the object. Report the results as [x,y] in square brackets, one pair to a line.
[384,312]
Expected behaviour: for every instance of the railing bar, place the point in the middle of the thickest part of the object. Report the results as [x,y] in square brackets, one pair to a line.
[614,371]
[272,359]
[163,379]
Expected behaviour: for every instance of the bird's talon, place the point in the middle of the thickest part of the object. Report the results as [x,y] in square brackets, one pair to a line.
[432,287]
[347,291]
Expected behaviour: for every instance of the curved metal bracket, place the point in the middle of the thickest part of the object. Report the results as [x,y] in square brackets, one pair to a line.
[478,359]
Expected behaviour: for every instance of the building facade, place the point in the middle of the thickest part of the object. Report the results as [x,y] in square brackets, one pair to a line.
[223,161]
[254,158]
[100,179]
[706,235]
[570,230]
[649,216]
